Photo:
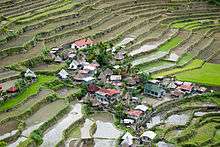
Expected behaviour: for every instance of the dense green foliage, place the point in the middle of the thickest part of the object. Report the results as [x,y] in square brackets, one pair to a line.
[37,136]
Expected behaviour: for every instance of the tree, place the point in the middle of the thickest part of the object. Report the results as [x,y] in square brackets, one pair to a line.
[3,144]
[102,57]
[5,30]
[37,137]
[145,77]
[20,84]
[119,110]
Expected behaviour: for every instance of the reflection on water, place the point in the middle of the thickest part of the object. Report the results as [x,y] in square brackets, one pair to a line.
[12,133]
[85,129]
[53,136]
[105,135]
[154,121]
[177,119]
[106,130]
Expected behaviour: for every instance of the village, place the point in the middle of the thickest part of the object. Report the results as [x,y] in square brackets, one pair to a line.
[130,96]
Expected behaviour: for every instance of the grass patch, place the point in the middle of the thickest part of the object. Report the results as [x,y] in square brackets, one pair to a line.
[208,75]
[166,47]
[194,64]
[31,90]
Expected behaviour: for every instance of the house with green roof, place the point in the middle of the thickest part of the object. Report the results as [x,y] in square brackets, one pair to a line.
[154,90]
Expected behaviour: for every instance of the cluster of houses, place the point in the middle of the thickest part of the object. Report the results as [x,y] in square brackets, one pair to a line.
[101,95]
[81,71]
[172,88]
[146,137]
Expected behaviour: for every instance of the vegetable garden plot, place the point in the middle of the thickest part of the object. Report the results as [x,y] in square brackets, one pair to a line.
[56,132]
[183,48]
[211,51]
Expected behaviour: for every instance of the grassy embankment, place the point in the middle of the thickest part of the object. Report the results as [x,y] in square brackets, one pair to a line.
[31,90]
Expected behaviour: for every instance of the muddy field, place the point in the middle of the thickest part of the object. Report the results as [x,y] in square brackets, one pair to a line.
[8,127]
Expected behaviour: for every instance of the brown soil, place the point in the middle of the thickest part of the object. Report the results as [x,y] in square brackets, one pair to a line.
[216,59]
[8,127]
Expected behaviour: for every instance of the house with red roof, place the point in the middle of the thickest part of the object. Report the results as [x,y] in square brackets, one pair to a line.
[82,43]
[92,88]
[135,114]
[186,88]
[12,89]
[107,96]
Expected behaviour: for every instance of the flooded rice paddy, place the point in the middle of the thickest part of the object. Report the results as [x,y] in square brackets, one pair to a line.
[56,132]
[38,118]
[25,134]
[46,112]
[105,134]
[176,119]
[64,92]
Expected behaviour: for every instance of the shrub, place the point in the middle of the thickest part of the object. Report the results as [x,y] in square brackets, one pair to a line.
[37,136]
[3,144]
[52,98]
[87,109]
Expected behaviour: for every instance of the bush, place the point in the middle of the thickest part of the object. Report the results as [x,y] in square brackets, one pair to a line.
[37,137]
[3,144]
[87,109]
[52,98]
[55,85]
[119,110]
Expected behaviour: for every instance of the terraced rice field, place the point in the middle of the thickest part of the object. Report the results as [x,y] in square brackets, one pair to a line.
[169,38]
[207,74]
[191,122]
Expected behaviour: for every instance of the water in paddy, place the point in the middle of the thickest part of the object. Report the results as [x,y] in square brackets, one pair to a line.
[154,121]
[86,128]
[104,143]
[38,118]
[105,135]
[199,113]
[46,112]
[177,119]
[8,127]
[56,132]
[106,130]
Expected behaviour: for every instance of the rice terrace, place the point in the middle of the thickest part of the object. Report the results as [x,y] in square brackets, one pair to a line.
[109,73]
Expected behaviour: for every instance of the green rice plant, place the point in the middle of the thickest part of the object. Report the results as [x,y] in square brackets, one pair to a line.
[208,75]
[172,43]
[193,65]
[31,90]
